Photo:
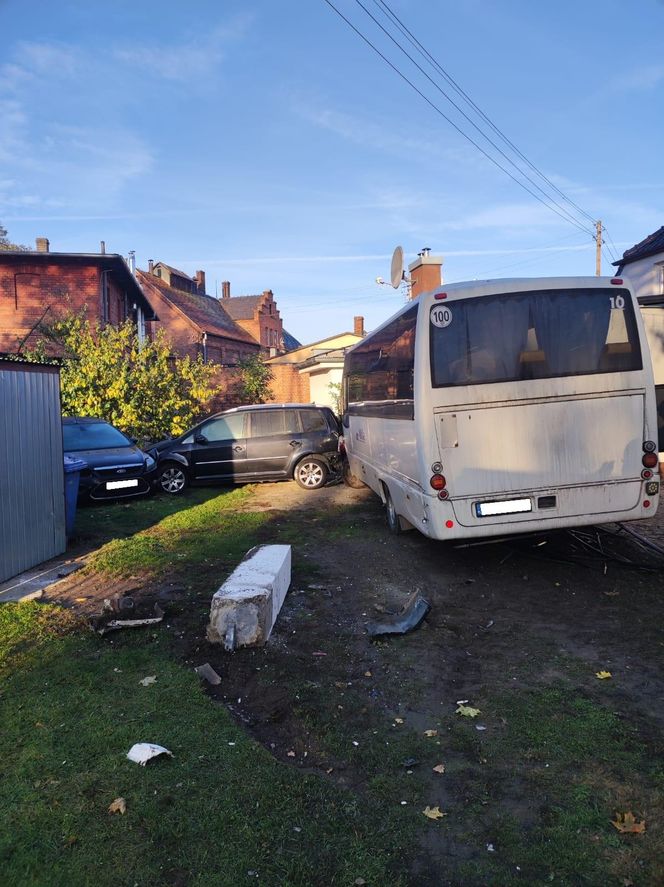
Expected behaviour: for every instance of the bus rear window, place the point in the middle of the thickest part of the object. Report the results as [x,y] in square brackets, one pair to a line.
[543,334]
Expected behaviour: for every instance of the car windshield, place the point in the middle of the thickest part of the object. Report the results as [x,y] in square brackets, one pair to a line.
[92,436]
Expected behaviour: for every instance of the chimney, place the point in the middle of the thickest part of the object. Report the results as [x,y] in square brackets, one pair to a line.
[199,277]
[102,247]
[150,266]
[426,273]
[225,289]
[42,244]
[131,261]
[358,326]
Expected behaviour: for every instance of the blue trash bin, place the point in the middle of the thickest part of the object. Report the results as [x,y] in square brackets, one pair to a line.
[73,467]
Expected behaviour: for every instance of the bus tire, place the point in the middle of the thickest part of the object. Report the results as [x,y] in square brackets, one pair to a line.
[391,516]
[350,479]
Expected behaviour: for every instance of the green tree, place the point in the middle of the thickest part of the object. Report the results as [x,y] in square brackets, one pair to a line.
[143,389]
[334,389]
[6,244]
[255,378]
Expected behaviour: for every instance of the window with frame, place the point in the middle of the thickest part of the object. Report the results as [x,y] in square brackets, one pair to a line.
[269,423]
[224,428]
[514,337]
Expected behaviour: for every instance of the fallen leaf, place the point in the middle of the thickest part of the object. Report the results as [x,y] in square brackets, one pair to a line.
[398,720]
[625,822]
[431,733]
[467,712]
[291,754]
[433,812]
[439,768]
[119,805]
[602,675]
[70,841]
[151,679]
[367,674]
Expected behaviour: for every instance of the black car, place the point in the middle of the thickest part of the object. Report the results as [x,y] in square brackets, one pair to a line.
[117,468]
[255,443]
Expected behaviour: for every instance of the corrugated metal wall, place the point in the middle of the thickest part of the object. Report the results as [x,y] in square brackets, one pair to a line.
[32,505]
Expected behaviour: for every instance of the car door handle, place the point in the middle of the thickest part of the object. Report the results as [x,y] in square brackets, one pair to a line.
[296,443]
[238,449]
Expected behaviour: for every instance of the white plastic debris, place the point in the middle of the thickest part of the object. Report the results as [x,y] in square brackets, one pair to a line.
[142,752]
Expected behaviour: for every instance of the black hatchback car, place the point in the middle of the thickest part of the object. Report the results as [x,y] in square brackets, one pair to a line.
[254,443]
[116,468]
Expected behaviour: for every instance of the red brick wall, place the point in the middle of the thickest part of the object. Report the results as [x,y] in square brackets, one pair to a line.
[288,386]
[266,327]
[27,289]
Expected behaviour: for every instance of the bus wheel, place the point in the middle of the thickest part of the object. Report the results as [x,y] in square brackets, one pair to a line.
[350,479]
[393,522]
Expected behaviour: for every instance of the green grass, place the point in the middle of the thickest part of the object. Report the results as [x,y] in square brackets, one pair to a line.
[72,706]
[202,535]
[575,764]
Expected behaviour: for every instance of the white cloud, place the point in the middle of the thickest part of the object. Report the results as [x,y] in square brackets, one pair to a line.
[643,78]
[508,215]
[364,132]
[191,60]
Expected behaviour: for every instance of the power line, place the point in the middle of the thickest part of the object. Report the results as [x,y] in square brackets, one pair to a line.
[520,171]
[434,62]
[453,124]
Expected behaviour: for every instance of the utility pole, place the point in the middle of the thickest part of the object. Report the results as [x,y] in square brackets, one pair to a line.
[598,250]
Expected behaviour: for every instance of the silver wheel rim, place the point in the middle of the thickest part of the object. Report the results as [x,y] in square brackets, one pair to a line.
[310,474]
[172,480]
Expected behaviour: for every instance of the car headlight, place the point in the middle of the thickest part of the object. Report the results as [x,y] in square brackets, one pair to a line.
[149,463]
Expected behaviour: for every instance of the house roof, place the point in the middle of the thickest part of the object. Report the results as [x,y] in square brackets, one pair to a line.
[203,311]
[104,261]
[242,307]
[649,246]
[290,342]
[173,270]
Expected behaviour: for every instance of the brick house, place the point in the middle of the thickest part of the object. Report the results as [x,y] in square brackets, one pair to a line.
[259,316]
[305,374]
[36,284]
[195,323]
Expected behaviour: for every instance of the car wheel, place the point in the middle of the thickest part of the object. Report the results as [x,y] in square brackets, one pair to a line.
[350,479]
[173,479]
[393,521]
[311,473]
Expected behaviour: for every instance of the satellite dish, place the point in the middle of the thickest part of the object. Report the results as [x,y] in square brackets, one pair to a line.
[396,270]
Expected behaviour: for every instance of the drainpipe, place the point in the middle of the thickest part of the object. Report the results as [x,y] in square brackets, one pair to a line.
[204,347]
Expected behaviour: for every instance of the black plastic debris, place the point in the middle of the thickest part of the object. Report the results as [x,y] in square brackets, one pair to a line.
[408,619]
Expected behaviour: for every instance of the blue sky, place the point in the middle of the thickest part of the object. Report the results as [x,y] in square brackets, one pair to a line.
[265,143]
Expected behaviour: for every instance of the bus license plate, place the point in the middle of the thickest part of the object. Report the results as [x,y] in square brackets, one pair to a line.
[508,506]
[121,484]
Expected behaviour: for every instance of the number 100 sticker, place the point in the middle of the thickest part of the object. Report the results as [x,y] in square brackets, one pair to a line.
[441,315]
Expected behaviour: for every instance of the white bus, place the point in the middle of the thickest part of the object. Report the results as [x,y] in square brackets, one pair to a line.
[506,406]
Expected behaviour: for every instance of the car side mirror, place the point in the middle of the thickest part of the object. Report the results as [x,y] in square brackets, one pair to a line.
[200,439]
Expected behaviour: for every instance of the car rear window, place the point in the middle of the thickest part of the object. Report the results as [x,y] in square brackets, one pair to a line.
[92,436]
[313,420]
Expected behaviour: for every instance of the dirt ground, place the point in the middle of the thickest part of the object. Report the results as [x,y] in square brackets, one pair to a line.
[518,614]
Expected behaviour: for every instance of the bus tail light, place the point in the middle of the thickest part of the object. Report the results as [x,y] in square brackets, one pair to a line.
[438,482]
[650,460]
[649,446]
[646,474]
[617,281]
[443,494]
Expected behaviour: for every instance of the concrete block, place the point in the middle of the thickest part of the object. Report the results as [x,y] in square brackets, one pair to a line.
[245,608]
